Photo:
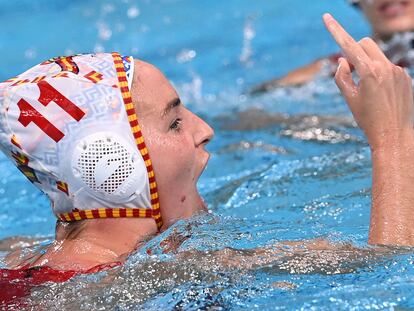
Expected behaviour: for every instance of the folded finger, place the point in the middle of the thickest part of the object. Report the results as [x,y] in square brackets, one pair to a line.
[372,50]
[344,81]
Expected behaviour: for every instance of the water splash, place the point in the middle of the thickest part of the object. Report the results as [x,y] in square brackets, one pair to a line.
[248,36]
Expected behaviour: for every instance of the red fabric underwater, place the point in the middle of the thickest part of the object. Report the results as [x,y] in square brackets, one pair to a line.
[16,284]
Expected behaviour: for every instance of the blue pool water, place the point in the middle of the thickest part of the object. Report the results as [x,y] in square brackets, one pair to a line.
[304,178]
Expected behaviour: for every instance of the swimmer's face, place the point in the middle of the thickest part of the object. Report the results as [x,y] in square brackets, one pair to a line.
[175,138]
[389,16]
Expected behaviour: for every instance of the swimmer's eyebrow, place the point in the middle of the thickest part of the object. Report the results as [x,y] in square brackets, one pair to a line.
[171,105]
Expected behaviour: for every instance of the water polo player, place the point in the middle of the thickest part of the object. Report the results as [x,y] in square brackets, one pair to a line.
[71,126]
[108,140]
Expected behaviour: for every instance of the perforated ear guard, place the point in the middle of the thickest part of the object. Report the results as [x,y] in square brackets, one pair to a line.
[106,165]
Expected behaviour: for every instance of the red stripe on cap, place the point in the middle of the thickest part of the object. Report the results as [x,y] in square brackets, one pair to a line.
[95,213]
[122,212]
[138,135]
[134,123]
[109,213]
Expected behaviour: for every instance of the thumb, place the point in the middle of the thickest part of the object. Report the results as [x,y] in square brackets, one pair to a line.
[344,81]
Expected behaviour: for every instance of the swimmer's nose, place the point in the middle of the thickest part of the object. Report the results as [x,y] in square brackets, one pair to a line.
[203,132]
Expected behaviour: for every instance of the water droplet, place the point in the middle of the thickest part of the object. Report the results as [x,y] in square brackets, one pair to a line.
[133,12]
[186,56]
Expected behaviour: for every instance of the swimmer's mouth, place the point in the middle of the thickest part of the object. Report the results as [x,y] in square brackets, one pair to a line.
[393,8]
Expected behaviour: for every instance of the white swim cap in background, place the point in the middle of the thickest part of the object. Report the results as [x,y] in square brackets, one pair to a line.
[70,126]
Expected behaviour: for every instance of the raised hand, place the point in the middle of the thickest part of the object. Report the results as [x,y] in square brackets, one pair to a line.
[382,105]
[382,101]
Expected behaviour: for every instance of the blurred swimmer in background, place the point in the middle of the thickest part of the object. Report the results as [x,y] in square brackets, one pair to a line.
[392,28]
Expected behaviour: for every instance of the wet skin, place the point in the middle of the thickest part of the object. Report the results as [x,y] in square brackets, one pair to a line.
[382,105]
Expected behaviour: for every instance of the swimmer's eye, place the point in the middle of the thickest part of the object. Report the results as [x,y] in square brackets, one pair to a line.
[176,125]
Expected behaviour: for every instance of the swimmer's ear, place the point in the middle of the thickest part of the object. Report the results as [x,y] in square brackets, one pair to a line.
[344,80]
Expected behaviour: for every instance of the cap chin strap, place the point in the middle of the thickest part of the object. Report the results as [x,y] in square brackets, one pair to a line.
[139,139]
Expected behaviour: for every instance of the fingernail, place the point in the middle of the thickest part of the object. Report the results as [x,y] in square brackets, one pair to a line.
[327,17]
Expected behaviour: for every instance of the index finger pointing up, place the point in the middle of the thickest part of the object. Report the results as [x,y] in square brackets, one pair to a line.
[352,50]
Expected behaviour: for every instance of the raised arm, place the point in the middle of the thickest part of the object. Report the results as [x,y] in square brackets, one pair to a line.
[382,105]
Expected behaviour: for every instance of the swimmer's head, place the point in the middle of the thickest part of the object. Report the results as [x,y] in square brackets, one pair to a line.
[72,127]
[388,16]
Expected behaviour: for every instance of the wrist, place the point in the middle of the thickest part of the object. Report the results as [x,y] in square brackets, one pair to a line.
[393,142]
[392,158]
